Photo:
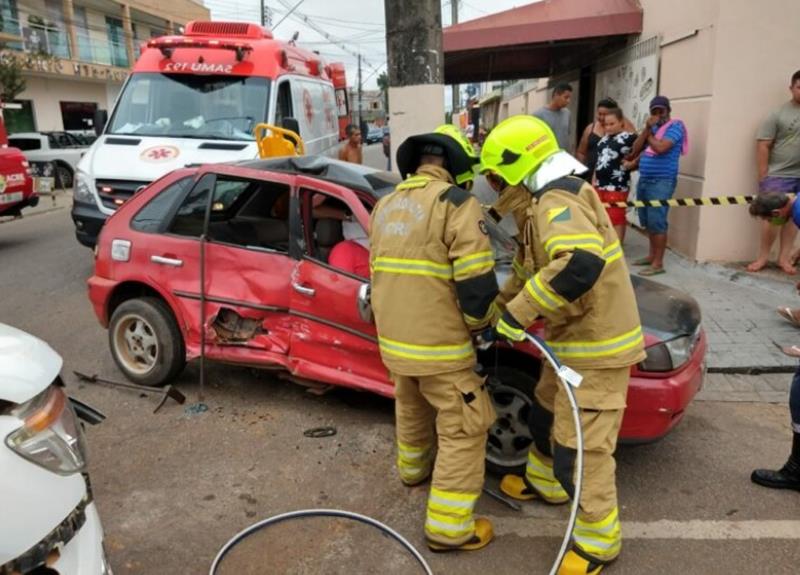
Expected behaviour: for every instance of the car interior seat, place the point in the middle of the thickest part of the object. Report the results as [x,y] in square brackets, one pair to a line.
[328,233]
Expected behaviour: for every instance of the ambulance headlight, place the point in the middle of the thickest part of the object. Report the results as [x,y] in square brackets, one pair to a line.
[82,189]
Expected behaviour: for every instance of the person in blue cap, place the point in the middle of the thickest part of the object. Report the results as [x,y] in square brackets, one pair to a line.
[659,146]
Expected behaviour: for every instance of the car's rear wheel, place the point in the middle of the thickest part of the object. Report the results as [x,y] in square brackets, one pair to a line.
[145,341]
[63,176]
[511,390]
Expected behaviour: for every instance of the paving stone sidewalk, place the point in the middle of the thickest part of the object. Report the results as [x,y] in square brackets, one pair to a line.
[739,311]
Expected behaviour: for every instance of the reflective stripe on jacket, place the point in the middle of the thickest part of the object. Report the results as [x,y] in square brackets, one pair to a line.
[581,284]
[432,274]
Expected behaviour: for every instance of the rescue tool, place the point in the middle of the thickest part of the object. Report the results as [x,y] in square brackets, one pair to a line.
[166,391]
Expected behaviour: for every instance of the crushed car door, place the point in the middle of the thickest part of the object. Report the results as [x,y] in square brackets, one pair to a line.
[334,339]
[248,267]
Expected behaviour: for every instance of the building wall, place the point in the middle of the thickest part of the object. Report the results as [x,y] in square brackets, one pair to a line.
[687,30]
[756,54]
[180,11]
[47,93]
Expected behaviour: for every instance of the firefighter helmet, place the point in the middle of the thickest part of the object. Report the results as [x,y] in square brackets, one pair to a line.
[516,147]
[445,141]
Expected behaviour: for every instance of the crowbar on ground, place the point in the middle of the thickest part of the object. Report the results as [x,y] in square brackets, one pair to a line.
[166,391]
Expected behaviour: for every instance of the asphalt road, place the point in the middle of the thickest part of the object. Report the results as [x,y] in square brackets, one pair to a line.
[173,487]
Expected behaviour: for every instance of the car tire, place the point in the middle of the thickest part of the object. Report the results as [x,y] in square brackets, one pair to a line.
[146,342]
[511,390]
[63,176]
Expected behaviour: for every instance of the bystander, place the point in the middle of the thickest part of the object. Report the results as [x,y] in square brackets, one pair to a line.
[778,159]
[556,114]
[663,140]
[351,149]
[587,147]
[612,175]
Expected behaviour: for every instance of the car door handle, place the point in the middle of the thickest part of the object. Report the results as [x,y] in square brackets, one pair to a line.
[176,263]
[303,289]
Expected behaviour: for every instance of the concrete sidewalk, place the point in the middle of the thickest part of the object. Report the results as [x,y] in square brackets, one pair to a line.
[739,310]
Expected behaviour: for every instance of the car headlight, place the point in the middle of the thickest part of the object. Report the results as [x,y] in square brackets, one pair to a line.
[82,188]
[50,435]
[668,355]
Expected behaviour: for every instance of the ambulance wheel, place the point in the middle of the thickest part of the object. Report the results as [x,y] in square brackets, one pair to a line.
[511,390]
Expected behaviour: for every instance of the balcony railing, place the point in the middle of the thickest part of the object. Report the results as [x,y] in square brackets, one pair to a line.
[54,41]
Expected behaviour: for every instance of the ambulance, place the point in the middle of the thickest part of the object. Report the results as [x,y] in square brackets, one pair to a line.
[196,99]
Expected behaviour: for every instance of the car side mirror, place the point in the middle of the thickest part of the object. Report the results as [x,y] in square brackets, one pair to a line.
[291,124]
[365,302]
[100,119]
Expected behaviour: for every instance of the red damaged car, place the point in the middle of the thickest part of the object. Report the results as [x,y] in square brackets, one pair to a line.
[272,298]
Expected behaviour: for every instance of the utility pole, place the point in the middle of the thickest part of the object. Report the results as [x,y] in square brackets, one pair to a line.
[359,94]
[454,21]
[415,66]
[263,13]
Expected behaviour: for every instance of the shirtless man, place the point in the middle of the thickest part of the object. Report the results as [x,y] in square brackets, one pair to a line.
[351,150]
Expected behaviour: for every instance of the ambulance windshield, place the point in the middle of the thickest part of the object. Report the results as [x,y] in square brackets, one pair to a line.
[208,107]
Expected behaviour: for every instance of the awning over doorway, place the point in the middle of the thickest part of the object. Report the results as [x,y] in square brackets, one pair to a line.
[541,39]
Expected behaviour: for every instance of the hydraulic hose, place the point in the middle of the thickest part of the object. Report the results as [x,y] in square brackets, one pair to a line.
[320,513]
[563,373]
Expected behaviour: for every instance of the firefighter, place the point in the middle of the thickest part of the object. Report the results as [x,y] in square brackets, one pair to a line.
[433,284]
[580,285]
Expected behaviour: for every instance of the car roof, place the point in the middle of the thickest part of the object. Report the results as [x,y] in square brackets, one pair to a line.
[377,183]
[27,135]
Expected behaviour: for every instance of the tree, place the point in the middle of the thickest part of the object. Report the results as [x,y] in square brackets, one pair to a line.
[383,85]
[12,82]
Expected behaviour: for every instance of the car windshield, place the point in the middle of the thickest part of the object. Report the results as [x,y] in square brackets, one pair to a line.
[191,106]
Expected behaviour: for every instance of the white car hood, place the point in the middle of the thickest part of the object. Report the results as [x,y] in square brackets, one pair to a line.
[27,365]
[153,157]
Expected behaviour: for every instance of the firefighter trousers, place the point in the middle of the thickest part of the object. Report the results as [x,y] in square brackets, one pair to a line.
[442,422]
[551,461]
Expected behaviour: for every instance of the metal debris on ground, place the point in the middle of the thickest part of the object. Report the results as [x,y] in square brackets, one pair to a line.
[502,499]
[196,408]
[165,392]
[327,431]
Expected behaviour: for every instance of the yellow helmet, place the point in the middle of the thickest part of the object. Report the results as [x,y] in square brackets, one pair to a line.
[447,141]
[516,147]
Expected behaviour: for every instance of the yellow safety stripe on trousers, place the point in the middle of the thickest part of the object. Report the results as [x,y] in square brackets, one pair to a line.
[413,267]
[413,462]
[463,266]
[439,524]
[541,477]
[413,182]
[602,348]
[567,242]
[612,252]
[425,352]
[547,298]
[601,539]
[459,505]
[520,270]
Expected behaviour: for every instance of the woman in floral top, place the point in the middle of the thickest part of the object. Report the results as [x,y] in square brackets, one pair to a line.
[612,173]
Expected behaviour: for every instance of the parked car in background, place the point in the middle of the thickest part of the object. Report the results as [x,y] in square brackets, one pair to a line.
[16,183]
[49,522]
[374,135]
[273,299]
[61,148]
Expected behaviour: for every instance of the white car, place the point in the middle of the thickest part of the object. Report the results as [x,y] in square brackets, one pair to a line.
[47,517]
[62,149]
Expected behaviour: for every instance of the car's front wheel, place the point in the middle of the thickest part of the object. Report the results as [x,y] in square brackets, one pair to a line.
[511,390]
[145,341]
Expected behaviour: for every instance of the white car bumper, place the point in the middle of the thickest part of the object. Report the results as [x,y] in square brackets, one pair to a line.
[84,554]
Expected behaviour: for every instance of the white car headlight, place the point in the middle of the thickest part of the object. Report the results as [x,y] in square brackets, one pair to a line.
[82,188]
[50,435]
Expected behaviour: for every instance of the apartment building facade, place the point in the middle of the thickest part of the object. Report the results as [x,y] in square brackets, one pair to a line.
[76,54]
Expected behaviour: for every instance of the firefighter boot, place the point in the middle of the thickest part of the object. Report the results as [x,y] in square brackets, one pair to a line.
[516,487]
[484,533]
[788,476]
[575,564]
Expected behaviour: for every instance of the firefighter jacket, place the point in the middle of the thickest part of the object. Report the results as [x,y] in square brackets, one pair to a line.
[514,200]
[432,270]
[580,284]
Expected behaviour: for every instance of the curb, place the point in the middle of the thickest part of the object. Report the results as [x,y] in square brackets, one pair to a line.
[7,219]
